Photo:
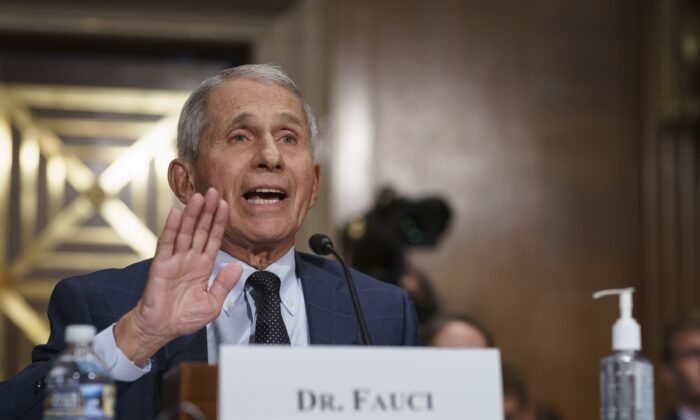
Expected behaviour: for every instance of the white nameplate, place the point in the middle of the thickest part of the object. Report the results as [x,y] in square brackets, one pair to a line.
[319,382]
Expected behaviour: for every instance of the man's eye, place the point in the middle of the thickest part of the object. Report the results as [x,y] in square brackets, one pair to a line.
[238,138]
[288,139]
[690,354]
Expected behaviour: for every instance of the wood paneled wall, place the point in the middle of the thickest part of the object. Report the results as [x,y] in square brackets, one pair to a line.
[526,116]
[672,278]
[671,176]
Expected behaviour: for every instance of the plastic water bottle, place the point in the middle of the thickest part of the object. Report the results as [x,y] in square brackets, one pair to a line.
[78,386]
[626,378]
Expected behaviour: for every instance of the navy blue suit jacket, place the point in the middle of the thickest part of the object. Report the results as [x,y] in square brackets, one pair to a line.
[101,298]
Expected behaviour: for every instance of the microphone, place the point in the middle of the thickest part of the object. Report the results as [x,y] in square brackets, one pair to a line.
[322,245]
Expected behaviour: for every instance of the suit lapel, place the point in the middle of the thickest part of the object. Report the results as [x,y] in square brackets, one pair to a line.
[327,313]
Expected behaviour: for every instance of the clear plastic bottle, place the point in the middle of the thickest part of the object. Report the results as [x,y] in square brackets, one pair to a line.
[626,387]
[78,386]
[626,378]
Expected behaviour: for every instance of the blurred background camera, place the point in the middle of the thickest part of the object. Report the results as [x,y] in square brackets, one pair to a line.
[376,243]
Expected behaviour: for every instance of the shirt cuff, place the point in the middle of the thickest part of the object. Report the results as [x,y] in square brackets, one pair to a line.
[118,365]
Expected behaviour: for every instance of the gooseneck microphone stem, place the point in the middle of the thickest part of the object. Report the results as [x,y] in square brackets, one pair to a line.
[366,340]
[322,245]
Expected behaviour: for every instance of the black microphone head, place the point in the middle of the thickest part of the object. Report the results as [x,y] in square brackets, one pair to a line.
[320,244]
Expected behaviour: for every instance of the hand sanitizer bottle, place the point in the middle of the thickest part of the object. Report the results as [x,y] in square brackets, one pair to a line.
[626,378]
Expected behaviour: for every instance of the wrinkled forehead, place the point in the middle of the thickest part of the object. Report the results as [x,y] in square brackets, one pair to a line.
[248,96]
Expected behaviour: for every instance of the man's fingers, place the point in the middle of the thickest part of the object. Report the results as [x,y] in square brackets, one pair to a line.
[166,241]
[217,229]
[224,281]
[189,219]
[201,232]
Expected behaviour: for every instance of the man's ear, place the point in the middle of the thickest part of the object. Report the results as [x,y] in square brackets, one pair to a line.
[181,179]
[316,188]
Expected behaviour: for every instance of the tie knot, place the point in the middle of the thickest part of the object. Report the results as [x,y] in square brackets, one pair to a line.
[265,282]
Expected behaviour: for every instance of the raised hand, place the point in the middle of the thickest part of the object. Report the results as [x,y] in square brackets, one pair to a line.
[177,300]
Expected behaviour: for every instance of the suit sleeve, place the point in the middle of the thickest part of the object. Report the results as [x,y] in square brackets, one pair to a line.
[22,395]
[410,334]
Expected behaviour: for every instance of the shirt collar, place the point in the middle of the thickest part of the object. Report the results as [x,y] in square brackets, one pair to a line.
[284,268]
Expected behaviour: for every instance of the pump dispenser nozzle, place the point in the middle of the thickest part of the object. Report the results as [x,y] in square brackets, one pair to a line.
[626,331]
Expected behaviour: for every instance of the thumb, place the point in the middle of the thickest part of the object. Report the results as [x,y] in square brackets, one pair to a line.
[225,281]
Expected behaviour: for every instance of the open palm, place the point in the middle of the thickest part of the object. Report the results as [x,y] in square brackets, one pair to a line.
[177,299]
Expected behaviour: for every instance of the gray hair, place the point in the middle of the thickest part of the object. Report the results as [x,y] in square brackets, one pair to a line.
[193,118]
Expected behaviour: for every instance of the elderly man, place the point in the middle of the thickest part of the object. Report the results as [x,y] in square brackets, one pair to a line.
[225,269]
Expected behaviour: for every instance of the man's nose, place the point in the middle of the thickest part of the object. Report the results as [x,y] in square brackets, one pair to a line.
[269,156]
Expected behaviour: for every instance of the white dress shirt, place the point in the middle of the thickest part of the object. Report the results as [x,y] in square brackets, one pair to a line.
[236,322]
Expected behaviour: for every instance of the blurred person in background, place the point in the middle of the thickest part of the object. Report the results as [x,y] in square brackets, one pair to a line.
[681,369]
[516,404]
[457,331]
[420,288]
[546,412]
[461,331]
[516,400]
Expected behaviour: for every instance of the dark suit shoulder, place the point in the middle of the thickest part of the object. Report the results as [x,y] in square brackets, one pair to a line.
[388,310]
[363,282]
[106,294]
[132,277]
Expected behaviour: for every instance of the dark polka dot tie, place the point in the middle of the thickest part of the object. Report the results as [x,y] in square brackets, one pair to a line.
[269,326]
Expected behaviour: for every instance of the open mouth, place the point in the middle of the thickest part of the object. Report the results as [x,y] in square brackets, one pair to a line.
[264,196]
